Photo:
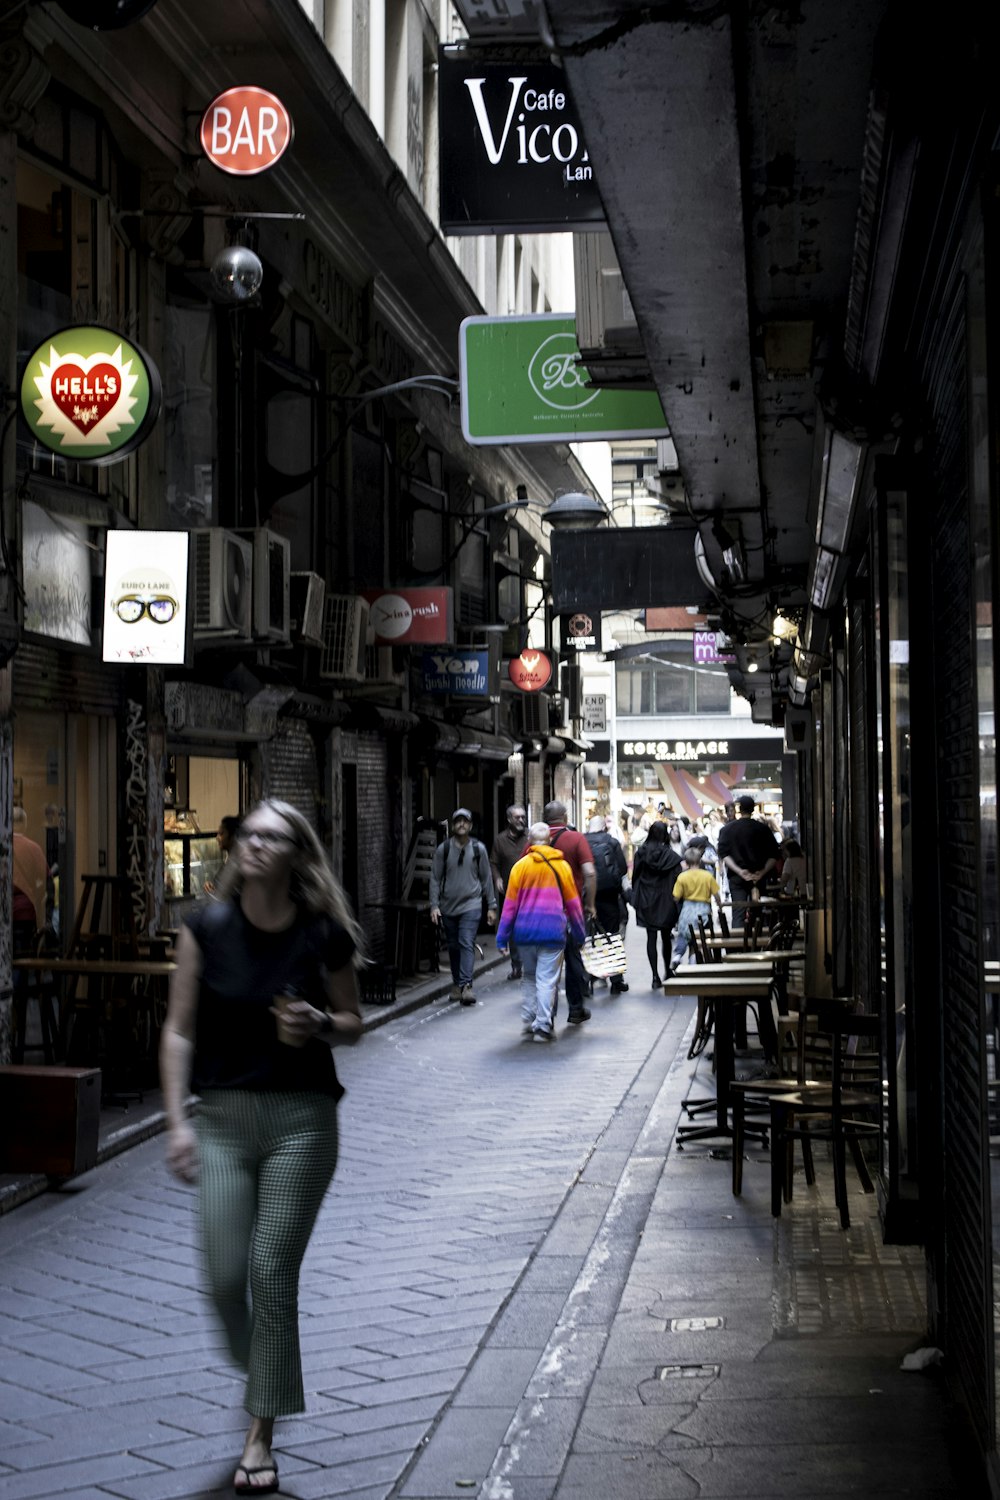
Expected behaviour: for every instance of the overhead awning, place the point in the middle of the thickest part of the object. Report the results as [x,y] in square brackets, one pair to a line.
[375,716]
[484,744]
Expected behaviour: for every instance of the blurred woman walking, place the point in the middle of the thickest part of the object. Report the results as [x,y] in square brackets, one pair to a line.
[264,987]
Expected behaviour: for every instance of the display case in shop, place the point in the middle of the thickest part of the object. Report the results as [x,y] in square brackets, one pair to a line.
[191,859]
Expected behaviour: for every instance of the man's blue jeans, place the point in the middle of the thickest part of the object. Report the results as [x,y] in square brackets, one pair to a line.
[539,983]
[460,935]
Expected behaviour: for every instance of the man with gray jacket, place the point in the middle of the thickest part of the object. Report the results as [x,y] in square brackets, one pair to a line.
[460,882]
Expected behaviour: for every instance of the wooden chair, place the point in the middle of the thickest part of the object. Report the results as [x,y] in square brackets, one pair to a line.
[847,1115]
[811,1065]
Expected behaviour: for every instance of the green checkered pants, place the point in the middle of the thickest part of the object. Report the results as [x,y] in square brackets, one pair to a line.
[266,1160]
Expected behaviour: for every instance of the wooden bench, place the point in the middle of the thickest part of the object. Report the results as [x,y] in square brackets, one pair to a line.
[49,1119]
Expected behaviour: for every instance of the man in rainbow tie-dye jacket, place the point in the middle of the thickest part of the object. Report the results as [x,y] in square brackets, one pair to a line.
[541,904]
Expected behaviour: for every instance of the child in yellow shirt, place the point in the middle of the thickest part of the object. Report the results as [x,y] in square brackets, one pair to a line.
[695,889]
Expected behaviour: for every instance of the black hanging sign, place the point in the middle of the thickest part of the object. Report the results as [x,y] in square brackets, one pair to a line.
[513,155]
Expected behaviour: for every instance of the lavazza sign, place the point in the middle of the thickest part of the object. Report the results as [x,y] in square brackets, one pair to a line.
[513,156]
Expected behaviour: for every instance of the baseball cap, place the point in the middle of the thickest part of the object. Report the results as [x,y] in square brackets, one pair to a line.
[461,812]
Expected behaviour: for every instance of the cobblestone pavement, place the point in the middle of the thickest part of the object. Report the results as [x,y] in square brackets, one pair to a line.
[507,1294]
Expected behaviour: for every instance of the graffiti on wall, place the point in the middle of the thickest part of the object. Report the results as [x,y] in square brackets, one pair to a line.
[136,860]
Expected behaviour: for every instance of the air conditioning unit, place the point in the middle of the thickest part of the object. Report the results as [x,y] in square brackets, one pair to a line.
[223,584]
[345,626]
[605,317]
[307,593]
[379,669]
[531,714]
[271,574]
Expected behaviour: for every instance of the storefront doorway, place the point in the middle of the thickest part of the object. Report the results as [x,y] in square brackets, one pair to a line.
[199,791]
[65,779]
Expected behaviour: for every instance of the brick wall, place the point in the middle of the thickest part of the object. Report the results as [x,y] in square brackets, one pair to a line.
[375,817]
[288,768]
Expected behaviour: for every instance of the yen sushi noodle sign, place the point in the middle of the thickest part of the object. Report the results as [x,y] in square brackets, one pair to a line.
[521,383]
[89,395]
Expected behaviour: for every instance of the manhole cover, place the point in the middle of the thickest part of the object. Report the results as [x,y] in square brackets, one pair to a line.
[694,1325]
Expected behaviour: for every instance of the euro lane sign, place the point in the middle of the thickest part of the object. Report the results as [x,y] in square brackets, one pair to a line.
[522,382]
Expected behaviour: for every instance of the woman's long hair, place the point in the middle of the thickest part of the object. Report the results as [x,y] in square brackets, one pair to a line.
[658,834]
[313,886]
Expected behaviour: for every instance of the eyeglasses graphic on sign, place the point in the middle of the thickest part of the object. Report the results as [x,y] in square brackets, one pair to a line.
[145,600]
[130,608]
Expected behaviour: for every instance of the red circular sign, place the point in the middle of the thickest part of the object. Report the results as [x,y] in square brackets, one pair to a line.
[245,131]
[530,671]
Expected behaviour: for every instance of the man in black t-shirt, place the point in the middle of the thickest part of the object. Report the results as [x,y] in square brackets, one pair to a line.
[749,851]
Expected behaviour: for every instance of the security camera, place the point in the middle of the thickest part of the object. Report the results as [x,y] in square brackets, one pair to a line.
[237,275]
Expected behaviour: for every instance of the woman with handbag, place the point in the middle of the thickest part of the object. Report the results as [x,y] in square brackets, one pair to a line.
[264,986]
[656,867]
[540,903]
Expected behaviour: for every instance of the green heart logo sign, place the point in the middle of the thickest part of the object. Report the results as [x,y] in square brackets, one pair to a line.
[89,395]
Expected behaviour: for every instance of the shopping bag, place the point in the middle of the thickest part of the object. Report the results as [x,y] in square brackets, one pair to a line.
[603,955]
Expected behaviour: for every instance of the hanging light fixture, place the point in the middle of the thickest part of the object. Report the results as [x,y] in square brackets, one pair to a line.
[573,510]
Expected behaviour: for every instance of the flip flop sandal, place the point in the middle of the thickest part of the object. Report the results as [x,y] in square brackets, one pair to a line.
[247,1488]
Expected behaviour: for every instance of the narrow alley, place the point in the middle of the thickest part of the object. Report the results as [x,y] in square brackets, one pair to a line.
[517,1288]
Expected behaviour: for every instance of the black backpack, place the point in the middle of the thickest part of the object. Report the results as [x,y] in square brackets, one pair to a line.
[605,864]
[478,849]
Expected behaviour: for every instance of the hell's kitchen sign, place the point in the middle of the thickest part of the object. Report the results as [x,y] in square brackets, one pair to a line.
[245,130]
[89,395]
[530,671]
[409,617]
[513,156]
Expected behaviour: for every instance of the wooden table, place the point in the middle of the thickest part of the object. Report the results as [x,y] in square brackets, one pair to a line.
[725,991]
[128,1018]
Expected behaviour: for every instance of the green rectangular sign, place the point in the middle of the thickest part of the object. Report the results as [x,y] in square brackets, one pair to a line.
[521,384]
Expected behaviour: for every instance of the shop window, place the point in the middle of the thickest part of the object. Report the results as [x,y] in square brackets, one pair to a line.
[670,684]
[73,266]
[199,791]
[57,557]
[189,414]
[426,508]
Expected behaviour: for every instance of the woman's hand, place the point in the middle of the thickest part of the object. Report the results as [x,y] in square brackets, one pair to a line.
[298,1021]
[182,1152]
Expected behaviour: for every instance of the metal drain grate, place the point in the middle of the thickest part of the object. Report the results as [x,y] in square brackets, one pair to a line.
[694,1325]
[686,1372]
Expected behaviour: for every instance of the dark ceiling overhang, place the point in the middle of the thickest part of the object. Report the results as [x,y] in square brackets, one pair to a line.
[728,144]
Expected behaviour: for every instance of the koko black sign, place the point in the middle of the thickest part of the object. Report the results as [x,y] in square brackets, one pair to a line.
[513,157]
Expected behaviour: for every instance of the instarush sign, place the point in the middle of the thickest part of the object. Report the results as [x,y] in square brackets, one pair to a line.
[89,395]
